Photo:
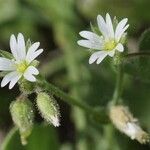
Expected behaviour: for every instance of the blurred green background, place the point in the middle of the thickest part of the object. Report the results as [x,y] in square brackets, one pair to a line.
[56,24]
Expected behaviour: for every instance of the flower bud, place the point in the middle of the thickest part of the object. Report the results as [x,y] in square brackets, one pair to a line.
[22,115]
[48,108]
[124,121]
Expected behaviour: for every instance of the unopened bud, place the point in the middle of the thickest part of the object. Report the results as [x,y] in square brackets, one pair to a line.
[124,121]
[48,108]
[22,115]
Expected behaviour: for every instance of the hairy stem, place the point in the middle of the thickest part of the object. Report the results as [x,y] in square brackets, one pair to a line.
[8,137]
[132,55]
[118,87]
[43,84]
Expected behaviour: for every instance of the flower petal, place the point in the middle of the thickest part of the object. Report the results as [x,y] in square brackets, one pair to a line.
[32,50]
[120,47]
[119,28]
[99,56]
[30,72]
[33,70]
[122,32]
[14,80]
[111,53]
[109,26]
[11,77]
[7,78]
[89,35]
[21,49]
[13,46]
[34,55]
[102,26]
[97,45]
[6,64]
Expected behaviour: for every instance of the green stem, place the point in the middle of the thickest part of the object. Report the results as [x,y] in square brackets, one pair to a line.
[132,55]
[118,87]
[43,84]
[7,139]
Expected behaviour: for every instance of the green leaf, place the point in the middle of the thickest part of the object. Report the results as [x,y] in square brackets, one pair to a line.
[42,138]
[145,41]
[6,54]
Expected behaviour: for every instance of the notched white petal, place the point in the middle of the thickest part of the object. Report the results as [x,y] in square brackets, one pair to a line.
[14,80]
[34,55]
[30,72]
[13,46]
[99,56]
[89,35]
[97,45]
[120,29]
[120,47]
[6,64]
[21,49]
[111,53]
[32,52]
[102,26]
[109,26]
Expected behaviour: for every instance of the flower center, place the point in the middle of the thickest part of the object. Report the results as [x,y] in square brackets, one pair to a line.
[22,66]
[109,45]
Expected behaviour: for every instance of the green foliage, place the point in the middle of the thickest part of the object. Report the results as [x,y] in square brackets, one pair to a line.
[6,54]
[145,41]
[42,138]
[56,23]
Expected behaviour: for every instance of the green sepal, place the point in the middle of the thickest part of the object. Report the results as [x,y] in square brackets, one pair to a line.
[22,115]
[6,54]
[48,107]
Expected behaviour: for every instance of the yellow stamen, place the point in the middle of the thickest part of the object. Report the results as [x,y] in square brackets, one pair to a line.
[22,66]
[109,45]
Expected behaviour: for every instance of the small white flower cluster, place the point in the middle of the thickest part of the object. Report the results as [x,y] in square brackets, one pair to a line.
[21,63]
[108,42]
[126,123]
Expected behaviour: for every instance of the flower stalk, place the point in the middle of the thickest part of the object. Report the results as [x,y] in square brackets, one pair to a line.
[118,87]
[42,83]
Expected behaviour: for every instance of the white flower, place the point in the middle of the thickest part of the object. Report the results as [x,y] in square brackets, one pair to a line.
[108,42]
[21,64]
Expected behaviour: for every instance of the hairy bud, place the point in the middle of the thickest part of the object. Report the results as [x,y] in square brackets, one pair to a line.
[48,108]
[22,115]
[124,121]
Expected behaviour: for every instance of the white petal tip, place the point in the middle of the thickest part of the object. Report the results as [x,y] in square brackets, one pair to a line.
[80,43]
[91,61]
[20,34]
[10,86]
[107,14]
[55,121]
